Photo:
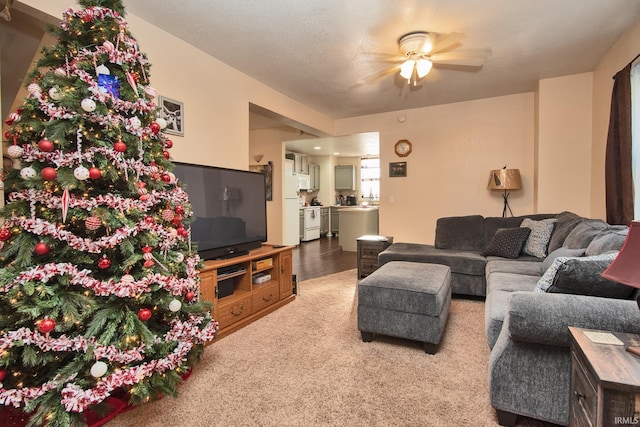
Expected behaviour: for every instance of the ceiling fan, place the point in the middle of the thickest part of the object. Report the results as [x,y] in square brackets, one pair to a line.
[422,50]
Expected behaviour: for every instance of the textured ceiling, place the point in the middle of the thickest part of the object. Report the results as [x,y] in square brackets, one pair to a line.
[315,51]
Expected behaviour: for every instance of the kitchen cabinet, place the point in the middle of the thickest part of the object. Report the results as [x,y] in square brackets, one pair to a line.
[301,224]
[345,177]
[314,175]
[335,220]
[324,221]
[300,163]
[356,222]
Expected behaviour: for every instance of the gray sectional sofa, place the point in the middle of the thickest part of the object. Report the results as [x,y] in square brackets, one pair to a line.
[531,298]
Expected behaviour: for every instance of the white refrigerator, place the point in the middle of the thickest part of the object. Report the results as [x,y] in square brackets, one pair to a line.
[291,211]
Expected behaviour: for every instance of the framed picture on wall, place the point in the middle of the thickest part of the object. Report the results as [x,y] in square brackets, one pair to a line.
[173,112]
[397,169]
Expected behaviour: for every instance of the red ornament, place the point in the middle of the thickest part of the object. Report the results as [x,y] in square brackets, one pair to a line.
[179,209]
[148,263]
[144,314]
[166,177]
[166,154]
[189,296]
[104,263]
[88,16]
[5,234]
[7,135]
[3,374]
[93,223]
[144,197]
[45,145]
[155,128]
[149,219]
[147,249]
[120,146]
[49,174]
[177,221]
[168,143]
[41,248]
[95,173]
[46,325]
[183,232]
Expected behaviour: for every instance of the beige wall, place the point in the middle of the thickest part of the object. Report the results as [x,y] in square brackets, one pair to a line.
[270,143]
[564,144]
[627,47]
[216,97]
[454,148]
[455,145]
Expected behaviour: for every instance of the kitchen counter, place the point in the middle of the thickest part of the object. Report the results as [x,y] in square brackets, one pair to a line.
[356,221]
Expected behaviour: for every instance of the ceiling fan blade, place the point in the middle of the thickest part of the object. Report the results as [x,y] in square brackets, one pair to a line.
[384,56]
[379,75]
[446,41]
[470,58]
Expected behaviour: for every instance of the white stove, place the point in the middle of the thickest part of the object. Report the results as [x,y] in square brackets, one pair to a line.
[311,223]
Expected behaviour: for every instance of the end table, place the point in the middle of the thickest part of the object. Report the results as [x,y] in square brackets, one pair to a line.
[605,380]
[368,248]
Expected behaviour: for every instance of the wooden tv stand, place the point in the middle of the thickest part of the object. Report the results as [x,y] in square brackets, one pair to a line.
[237,301]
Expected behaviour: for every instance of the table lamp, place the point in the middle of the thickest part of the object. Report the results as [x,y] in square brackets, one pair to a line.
[625,268]
[505,179]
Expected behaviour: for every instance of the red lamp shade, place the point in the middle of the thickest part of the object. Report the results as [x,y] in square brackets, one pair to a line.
[625,268]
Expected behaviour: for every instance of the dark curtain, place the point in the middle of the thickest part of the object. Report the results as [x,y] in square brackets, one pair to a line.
[618,177]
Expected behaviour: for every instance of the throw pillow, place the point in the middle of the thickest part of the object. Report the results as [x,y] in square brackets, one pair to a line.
[507,242]
[581,276]
[567,221]
[546,280]
[584,233]
[566,252]
[538,240]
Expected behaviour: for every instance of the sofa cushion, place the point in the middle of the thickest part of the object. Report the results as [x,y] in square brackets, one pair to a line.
[581,276]
[584,233]
[538,240]
[517,266]
[562,251]
[464,262]
[507,242]
[567,221]
[609,240]
[501,286]
[464,233]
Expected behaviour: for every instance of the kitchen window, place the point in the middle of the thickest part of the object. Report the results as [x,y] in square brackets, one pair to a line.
[370,178]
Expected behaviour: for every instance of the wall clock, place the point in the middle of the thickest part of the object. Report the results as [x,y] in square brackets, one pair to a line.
[403,148]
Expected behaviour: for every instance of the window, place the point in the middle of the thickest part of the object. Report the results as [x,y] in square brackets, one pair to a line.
[370,178]
[635,136]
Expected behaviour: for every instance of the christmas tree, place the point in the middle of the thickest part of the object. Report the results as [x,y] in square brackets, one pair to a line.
[98,282]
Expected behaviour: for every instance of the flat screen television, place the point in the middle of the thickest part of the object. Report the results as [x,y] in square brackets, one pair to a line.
[229,209]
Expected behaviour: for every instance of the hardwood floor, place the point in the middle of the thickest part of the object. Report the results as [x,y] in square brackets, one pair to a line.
[321,257]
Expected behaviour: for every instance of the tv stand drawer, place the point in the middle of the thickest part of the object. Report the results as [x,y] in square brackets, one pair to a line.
[234,310]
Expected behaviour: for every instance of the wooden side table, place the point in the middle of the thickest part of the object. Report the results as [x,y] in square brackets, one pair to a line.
[368,248]
[605,381]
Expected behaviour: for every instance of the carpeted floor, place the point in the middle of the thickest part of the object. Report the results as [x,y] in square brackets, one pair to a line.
[306,365]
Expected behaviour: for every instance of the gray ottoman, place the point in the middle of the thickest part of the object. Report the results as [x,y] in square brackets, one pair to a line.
[407,300]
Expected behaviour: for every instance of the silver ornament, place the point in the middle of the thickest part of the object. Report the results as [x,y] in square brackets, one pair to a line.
[81,173]
[28,173]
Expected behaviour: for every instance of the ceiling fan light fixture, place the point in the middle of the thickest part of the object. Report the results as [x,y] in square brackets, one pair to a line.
[423,67]
[406,69]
